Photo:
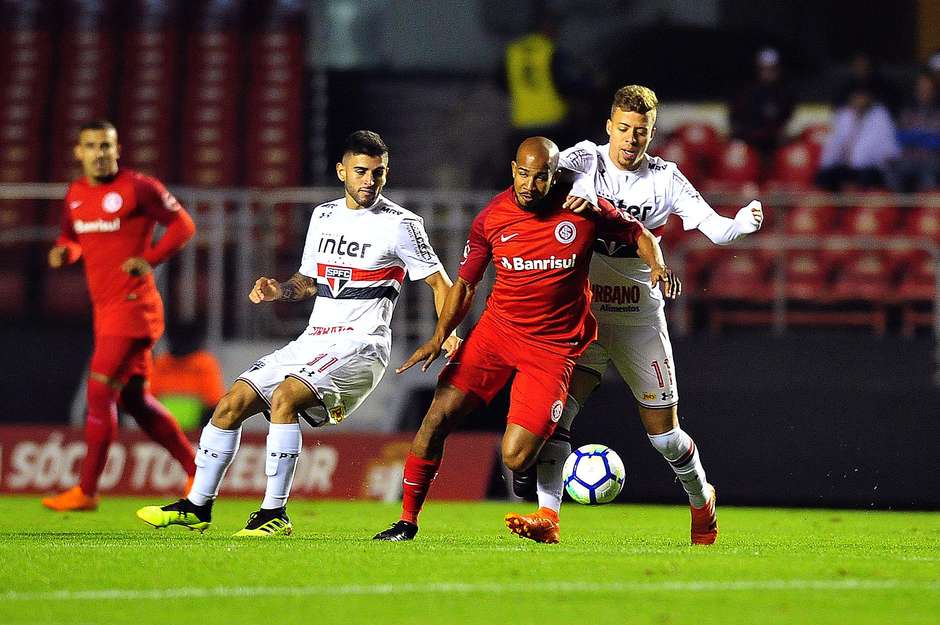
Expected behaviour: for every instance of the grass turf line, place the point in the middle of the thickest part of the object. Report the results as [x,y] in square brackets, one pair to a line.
[616,563]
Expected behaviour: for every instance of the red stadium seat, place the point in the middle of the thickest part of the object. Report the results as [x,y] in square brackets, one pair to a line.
[742,275]
[923,222]
[794,167]
[864,276]
[916,290]
[810,218]
[738,163]
[700,139]
[807,276]
[815,136]
[679,153]
[875,217]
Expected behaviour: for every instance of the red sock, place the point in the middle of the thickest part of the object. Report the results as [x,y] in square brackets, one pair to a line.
[419,473]
[154,419]
[100,431]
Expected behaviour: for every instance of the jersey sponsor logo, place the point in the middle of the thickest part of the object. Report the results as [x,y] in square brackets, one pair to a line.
[337,413]
[112,202]
[97,225]
[668,395]
[75,204]
[578,160]
[566,232]
[466,253]
[343,247]
[557,409]
[420,243]
[336,277]
[508,237]
[542,264]
[322,330]
[656,167]
[258,365]
[649,396]
[616,294]
[390,210]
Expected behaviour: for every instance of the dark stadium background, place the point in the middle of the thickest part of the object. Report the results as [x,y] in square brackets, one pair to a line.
[822,413]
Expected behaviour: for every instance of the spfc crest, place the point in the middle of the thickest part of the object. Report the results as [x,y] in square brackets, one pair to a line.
[336,277]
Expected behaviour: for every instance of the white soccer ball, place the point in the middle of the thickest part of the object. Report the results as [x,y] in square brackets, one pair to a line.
[593,474]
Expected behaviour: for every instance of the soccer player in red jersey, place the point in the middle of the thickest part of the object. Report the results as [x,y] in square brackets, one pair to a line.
[537,320]
[109,218]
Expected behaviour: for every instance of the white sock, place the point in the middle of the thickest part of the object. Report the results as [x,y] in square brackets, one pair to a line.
[217,449]
[680,452]
[551,459]
[283,449]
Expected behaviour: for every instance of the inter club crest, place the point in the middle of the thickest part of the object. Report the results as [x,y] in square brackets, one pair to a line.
[112,202]
[335,277]
[566,232]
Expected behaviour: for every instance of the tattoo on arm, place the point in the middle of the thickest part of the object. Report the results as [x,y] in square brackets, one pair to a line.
[298,287]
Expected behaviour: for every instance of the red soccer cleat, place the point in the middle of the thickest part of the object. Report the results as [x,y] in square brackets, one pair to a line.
[540,526]
[72,499]
[705,519]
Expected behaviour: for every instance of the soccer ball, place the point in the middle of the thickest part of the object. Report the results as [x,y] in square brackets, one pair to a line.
[593,474]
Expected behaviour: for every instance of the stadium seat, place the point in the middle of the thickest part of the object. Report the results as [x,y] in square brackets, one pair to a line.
[807,276]
[916,290]
[874,217]
[84,80]
[794,168]
[701,141]
[25,73]
[679,153]
[738,166]
[275,116]
[811,218]
[923,222]
[65,295]
[739,290]
[865,276]
[147,102]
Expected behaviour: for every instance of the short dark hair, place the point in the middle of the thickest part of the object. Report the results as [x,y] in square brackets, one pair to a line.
[364,142]
[634,99]
[97,124]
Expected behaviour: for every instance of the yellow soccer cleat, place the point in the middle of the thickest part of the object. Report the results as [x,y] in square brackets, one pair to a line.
[182,512]
[267,523]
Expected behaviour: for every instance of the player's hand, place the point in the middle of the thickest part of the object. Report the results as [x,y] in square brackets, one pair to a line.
[577,204]
[265,290]
[427,353]
[672,286]
[58,256]
[451,345]
[750,218]
[136,266]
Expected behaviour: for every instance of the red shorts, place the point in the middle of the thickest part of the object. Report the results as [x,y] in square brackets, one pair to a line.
[120,357]
[489,357]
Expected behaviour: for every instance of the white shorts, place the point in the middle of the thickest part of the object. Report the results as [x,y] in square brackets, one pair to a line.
[340,369]
[642,356]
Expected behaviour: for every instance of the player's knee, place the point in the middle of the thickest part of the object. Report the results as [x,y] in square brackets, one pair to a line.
[230,411]
[283,407]
[517,458]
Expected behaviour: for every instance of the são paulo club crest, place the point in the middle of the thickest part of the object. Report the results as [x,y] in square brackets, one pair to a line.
[336,277]
[566,232]
[112,202]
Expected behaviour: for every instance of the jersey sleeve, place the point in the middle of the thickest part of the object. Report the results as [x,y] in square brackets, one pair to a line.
[613,221]
[155,201]
[685,201]
[308,261]
[477,253]
[414,249]
[67,237]
[581,158]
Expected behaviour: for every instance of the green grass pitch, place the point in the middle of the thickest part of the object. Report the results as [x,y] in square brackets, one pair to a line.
[615,564]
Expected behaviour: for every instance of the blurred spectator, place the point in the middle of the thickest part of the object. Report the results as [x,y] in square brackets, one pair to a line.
[187,379]
[933,65]
[864,73]
[760,112]
[859,146]
[533,72]
[919,136]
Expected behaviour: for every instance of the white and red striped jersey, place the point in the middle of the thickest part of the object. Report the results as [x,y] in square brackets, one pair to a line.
[359,258]
[650,193]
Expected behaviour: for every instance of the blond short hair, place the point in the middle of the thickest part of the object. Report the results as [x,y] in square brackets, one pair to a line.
[635,99]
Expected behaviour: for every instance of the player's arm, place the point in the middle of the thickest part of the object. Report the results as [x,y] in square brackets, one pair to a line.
[440,284]
[722,230]
[160,204]
[297,288]
[649,251]
[66,249]
[456,305]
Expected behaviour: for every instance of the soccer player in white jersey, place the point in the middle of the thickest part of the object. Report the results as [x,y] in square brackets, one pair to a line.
[357,253]
[631,325]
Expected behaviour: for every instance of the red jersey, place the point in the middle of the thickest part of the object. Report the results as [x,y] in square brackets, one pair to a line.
[111,222]
[542,259]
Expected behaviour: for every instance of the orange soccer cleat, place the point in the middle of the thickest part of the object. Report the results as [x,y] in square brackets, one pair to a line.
[540,526]
[705,519]
[72,499]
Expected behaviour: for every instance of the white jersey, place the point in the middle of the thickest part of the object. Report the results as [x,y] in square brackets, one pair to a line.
[620,281]
[359,258]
